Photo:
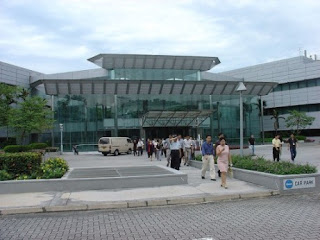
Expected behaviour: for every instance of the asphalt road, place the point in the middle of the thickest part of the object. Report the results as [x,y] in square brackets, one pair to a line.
[279,217]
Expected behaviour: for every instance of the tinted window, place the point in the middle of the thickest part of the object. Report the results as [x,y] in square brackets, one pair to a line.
[293,86]
[104,141]
[129,140]
[303,84]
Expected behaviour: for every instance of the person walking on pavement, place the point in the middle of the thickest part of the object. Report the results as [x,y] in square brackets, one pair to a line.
[175,148]
[292,146]
[208,159]
[220,135]
[251,142]
[135,143]
[187,147]
[224,161]
[181,141]
[193,148]
[150,149]
[166,146]
[276,143]
[140,147]
[158,150]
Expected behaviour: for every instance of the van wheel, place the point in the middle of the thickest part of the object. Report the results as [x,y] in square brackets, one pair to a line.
[116,152]
[129,151]
[104,154]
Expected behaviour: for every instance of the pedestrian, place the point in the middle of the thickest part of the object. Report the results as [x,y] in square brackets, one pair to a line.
[155,143]
[135,143]
[150,149]
[181,141]
[224,161]
[175,148]
[276,143]
[292,146]
[140,147]
[158,150]
[187,147]
[281,143]
[208,158]
[167,150]
[251,142]
[220,135]
[193,148]
[75,149]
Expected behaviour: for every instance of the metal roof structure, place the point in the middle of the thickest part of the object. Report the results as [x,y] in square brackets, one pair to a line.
[151,87]
[175,118]
[138,61]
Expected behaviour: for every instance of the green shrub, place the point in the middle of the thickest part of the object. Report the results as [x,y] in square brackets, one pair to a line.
[198,158]
[54,168]
[262,165]
[16,148]
[4,175]
[18,164]
[298,137]
[38,145]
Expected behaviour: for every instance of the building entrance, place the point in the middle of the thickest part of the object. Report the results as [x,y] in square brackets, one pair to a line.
[164,132]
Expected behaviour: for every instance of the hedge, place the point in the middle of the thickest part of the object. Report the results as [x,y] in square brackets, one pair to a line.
[38,145]
[262,165]
[54,168]
[21,163]
[24,148]
[16,148]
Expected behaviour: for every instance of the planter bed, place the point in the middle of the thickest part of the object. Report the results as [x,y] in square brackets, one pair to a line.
[286,184]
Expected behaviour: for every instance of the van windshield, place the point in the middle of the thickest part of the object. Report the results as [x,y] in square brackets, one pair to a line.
[104,141]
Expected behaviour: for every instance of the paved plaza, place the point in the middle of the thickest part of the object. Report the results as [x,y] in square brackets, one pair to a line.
[279,217]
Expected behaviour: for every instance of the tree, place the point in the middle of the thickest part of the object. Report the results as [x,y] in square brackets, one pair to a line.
[276,117]
[298,121]
[30,116]
[9,95]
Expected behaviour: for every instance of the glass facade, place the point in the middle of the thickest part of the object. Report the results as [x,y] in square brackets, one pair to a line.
[86,118]
[154,74]
[297,85]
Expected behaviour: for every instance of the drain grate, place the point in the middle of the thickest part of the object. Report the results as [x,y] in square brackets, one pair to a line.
[117,172]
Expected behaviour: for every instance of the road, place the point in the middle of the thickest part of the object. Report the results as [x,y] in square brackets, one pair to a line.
[280,217]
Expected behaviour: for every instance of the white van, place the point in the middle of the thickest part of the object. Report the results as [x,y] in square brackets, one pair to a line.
[115,145]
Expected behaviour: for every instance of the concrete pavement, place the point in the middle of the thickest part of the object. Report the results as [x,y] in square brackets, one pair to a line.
[276,218]
[197,190]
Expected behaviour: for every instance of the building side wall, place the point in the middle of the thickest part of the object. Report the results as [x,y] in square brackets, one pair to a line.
[14,75]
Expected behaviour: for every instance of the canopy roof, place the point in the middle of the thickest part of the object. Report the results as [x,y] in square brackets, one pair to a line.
[152,87]
[175,118]
[138,61]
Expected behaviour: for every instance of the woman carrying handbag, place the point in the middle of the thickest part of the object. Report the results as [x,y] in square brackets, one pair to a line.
[224,161]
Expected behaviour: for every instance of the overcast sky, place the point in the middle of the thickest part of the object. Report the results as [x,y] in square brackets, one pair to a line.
[57,36]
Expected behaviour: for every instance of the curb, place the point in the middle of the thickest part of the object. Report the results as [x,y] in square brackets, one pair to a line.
[138,204]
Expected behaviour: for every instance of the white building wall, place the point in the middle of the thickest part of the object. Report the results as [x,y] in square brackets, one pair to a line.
[14,75]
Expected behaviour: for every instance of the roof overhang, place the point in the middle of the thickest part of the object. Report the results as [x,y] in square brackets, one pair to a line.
[151,87]
[138,61]
[175,118]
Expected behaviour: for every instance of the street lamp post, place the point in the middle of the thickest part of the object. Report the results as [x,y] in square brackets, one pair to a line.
[241,87]
[61,138]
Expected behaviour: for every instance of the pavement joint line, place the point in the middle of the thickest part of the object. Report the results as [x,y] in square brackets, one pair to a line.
[138,204]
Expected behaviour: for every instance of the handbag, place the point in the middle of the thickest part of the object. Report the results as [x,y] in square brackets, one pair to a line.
[230,172]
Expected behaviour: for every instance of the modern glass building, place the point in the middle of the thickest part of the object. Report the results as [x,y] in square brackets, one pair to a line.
[148,96]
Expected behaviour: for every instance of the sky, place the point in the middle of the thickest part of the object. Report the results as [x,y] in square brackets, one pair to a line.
[52,36]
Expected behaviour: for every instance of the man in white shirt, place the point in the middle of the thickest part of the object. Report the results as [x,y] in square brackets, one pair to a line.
[276,143]
[181,141]
[187,147]
[140,147]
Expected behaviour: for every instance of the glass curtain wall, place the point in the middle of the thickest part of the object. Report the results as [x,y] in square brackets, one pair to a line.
[86,118]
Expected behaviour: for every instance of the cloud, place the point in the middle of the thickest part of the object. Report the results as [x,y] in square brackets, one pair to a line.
[64,34]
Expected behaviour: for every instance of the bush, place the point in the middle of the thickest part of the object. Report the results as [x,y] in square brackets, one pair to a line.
[298,137]
[38,145]
[20,163]
[262,165]
[16,148]
[54,168]
[4,175]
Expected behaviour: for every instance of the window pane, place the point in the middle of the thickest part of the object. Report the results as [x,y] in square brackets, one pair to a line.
[285,87]
[302,84]
[293,86]
[312,82]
